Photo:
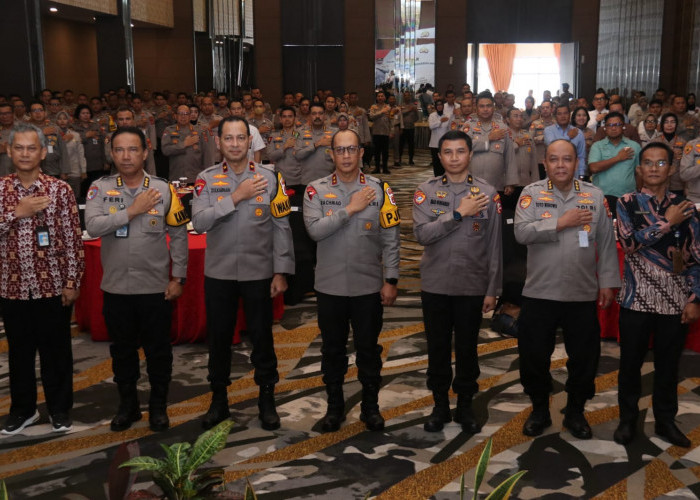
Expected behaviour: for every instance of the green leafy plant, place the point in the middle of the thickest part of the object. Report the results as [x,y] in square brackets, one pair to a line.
[500,492]
[177,474]
[3,491]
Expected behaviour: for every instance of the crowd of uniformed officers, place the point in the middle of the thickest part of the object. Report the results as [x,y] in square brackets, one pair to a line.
[353,225]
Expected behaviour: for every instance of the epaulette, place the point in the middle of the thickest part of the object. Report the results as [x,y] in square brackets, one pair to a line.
[373,179]
[266,167]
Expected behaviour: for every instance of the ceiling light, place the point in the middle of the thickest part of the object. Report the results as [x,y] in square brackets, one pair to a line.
[132,25]
[53,9]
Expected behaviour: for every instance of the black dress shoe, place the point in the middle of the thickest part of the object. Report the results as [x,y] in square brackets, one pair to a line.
[331,422]
[373,420]
[158,419]
[672,434]
[437,420]
[465,417]
[123,420]
[578,426]
[624,434]
[217,413]
[536,423]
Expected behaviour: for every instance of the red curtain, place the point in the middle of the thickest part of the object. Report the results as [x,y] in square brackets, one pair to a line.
[557,52]
[500,60]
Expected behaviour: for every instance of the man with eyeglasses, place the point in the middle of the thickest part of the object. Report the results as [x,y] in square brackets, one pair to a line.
[20,111]
[628,130]
[127,118]
[185,144]
[355,222]
[43,262]
[55,163]
[563,129]
[658,231]
[243,207]
[612,161]
[457,218]
[599,111]
[6,124]
[133,211]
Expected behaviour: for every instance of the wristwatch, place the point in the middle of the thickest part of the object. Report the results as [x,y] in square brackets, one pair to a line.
[179,280]
[457,216]
[391,281]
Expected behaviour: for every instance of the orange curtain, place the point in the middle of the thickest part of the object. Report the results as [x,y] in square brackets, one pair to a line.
[500,60]
[557,52]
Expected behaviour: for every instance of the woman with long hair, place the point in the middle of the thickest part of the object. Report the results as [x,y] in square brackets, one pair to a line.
[579,119]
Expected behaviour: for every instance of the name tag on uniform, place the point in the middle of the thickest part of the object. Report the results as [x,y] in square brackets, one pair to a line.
[122,232]
[42,236]
[583,239]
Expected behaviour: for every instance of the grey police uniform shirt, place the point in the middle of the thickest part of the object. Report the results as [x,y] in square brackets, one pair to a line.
[56,161]
[251,240]
[459,257]
[185,161]
[690,170]
[283,158]
[351,250]
[493,161]
[315,162]
[525,158]
[139,263]
[558,267]
[149,167]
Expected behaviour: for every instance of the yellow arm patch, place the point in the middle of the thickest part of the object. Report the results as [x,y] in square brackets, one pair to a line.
[280,206]
[177,216]
[389,213]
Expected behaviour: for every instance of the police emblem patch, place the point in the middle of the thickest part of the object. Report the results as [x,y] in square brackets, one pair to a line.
[587,228]
[525,201]
[476,227]
[368,226]
[419,197]
[113,209]
[311,192]
[199,185]
[259,199]
[258,212]
[441,194]
[92,192]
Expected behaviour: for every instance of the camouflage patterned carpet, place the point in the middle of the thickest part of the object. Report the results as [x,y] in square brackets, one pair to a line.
[402,462]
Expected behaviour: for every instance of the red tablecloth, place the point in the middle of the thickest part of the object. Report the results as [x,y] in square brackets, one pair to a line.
[609,318]
[189,317]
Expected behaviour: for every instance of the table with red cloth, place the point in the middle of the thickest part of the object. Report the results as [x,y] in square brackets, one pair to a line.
[609,318]
[189,322]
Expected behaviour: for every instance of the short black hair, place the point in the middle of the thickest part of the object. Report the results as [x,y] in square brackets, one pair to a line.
[288,108]
[359,142]
[233,119]
[79,108]
[317,105]
[130,130]
[657,145]
[614,114]
[484,95]
[455,135]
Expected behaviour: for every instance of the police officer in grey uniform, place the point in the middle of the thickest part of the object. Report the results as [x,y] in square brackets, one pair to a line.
[355,222]
[56,162]
[280,148]
[243,207]
[690,170]
[313,148]
[493,156]
[184,144]
[571,263]
[457,218]
[126,118]
[132,212]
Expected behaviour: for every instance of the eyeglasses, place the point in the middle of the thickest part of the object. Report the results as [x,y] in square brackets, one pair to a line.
[659,163]
[614,125]
[36,110]
[599,98]
[341,150]
[650,121]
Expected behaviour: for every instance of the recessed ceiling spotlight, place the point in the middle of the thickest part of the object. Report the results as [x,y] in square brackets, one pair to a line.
[53,9]
[132,25]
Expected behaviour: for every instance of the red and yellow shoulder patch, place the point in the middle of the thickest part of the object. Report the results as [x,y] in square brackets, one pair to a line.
[497,200]
[419,197]
[311,192]
[525,201]
[199,185]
